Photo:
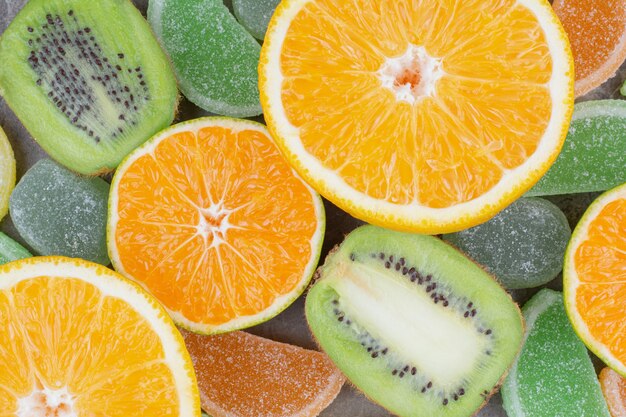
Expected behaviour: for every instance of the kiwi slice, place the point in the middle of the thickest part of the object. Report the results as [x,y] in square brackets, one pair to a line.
[413,323]
[87,79]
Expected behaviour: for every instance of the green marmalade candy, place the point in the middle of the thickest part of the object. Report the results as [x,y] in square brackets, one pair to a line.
[553,375]
[214,58]
[594,155]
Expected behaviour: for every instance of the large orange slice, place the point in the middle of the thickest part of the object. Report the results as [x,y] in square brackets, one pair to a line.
[595,278]
[420,115]
[77,339]
[209,218]
[597,33]
[242,375]
[614,390]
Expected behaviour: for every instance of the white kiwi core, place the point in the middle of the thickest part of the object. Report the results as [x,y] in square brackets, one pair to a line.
[439,341]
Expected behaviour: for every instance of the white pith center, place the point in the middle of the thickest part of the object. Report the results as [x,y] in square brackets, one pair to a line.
[214,222]
[443,344]
[45,402]
[412,76]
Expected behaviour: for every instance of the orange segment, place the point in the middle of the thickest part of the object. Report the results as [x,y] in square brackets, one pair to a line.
[595,278]
[597,33]
[211,219]
[242,375]
[402,117]
[614,390]
[84,341]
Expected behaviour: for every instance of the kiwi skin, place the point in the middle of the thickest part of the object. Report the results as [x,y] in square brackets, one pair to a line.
[348,358]
[116,27]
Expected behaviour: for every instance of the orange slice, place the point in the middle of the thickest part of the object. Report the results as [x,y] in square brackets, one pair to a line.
[597,33]
[595,278]
[614,390]
[241,375]
[77,339]
[213,222]
[403,117]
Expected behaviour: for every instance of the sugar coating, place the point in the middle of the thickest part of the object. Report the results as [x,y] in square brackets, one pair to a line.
[594,155]
[553,375]
[60,213]
[241,375]
[255,15]
[523,246]
[10,250]
[214,58]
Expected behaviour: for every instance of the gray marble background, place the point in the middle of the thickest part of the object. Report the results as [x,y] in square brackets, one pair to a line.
[290,326]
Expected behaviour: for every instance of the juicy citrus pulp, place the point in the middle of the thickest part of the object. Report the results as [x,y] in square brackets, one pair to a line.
[400,115]
[7,173]
[77,339]
[597,33]
[595,278]
[210,218]
[242,375]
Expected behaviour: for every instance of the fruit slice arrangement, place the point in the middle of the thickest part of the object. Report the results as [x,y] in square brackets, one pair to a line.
[595,278]
[416,336]
[61,324]
[597,34]
[402,117]
[210,218]
[242,375]
[553,375]
[87,78]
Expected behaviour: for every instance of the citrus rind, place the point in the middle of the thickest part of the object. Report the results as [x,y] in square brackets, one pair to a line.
[416,217]
[571,280]
[281,302]
[113,285]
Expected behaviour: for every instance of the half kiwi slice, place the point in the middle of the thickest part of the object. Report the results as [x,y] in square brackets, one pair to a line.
[87,79]
[413,323]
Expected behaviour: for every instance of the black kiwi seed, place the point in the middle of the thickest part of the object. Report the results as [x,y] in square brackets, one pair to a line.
[387,265]
[413,371]
[445,401]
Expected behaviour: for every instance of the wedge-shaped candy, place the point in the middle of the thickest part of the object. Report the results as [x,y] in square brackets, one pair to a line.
[553,375]
[522,247]
[10,250]
[241,375]
[255,15]
[60,213]
[594,155]
[215,59]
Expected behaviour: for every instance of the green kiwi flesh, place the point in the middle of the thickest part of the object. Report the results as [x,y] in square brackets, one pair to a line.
[413,323]
[87,78]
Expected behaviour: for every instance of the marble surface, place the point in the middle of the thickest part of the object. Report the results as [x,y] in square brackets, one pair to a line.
[290,326]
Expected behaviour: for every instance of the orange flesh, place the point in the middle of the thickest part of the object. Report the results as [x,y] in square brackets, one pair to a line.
[242,375]
[63,332]
[173,202]
[600,263]
[595,29]
[442,150]
[614,390]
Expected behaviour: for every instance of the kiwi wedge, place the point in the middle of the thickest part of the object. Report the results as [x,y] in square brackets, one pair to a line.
[88,80]
[413,323]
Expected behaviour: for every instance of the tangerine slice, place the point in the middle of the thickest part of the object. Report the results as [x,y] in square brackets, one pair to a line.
[212,221]
[402,117]
[597,34]
[77,339]
[614,390]
[242,375]
[595,278]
